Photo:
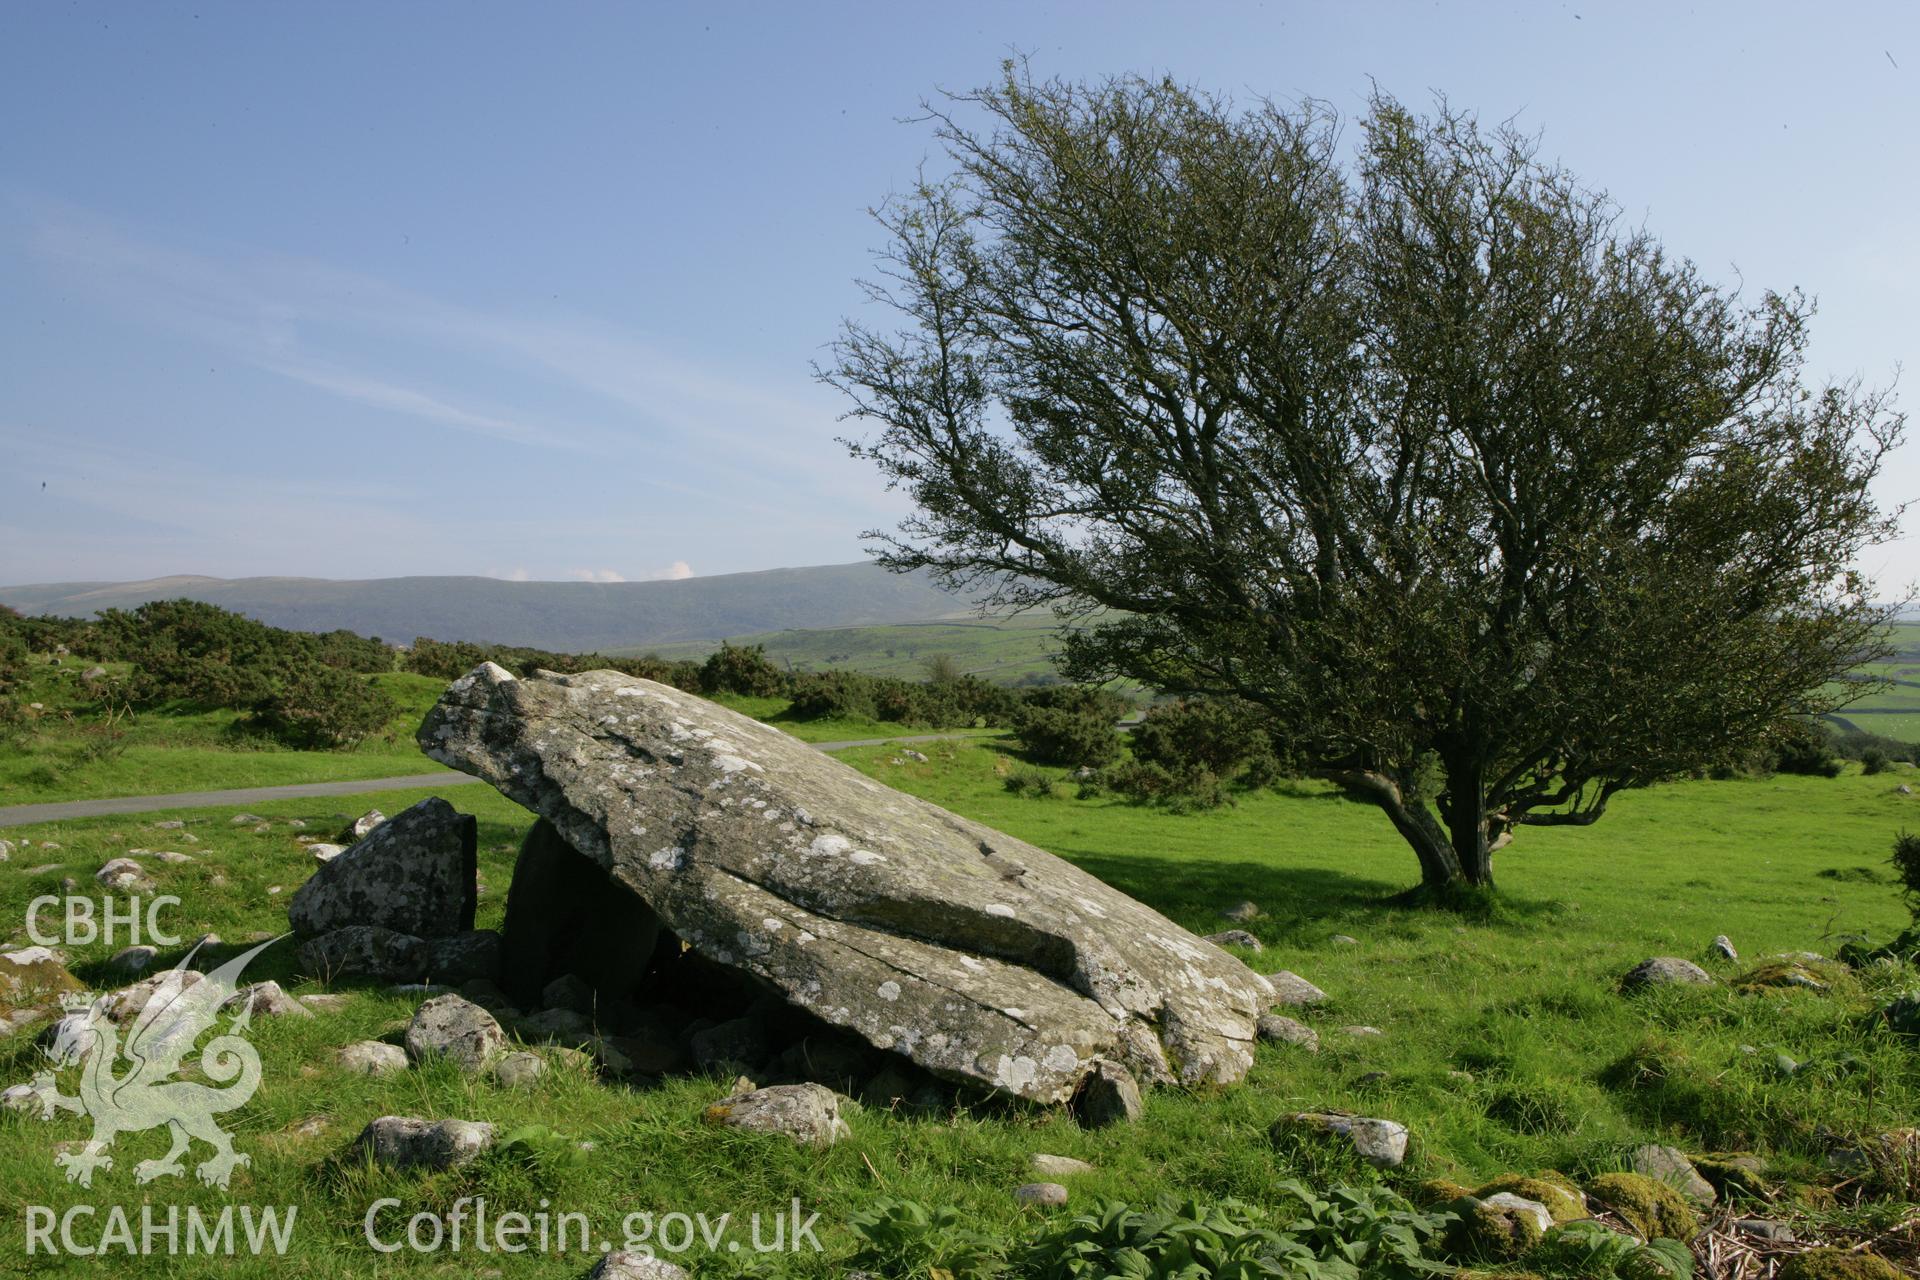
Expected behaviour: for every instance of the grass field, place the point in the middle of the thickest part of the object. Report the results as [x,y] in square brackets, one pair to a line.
[169,749]
[1561,1071]
[998,649]
[172,749]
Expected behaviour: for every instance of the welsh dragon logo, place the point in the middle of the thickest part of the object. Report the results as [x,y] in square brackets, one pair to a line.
[130,1087]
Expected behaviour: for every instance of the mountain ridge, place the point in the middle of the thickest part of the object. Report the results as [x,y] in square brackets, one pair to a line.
[562,616]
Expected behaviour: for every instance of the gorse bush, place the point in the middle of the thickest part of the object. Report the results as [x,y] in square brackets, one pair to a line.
[743,670]
[1064,736]
[323,708]
[1189,754]
[1906,864]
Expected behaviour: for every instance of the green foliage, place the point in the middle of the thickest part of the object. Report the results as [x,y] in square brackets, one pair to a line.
[1035,783]
[1188,754]
[1343,1234]
[1174,1239]
[1873,760]
[743,670]
[1593,1252]
[322,708]
[900,1238]
[1413,442]
[1836,1264]
[1906,865]
[1800,746]
[1061,735]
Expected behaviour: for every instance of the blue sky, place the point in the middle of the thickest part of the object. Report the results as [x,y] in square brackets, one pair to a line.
[532,290]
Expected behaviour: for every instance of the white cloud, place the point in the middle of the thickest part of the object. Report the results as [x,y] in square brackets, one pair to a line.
[510,575]
[597,575]
[677,570]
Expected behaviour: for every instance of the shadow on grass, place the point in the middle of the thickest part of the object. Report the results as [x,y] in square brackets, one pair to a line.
[1297,901]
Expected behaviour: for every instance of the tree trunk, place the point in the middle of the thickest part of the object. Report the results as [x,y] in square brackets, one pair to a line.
[1395,793]
[1464,809]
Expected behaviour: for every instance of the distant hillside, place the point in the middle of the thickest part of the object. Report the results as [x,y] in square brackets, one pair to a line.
[571,617]
[999,649]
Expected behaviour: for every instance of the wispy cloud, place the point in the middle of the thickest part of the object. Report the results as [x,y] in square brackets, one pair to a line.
[601,387]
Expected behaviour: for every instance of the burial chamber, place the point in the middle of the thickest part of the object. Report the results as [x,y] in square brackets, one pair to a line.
[985,960]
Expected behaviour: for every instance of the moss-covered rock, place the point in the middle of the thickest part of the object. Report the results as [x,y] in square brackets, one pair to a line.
[1492,1232]
[1836,1264]
[1431,1193]
[1649,1205]
[1733,1174]
[1563,1200]
[1793,973]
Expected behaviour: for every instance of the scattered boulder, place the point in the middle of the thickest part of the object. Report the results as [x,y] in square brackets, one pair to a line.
[1344,940]
[6,850]
[918,757]
[371,1058]
[1279,1029]
[1046,1195]
[559,1025]
[267,1000]
[1648,1205]
[807,1113]
[984,959]
[406,1142]
[363,826]
[1241,912]
[1665,971]
[738,1043]
[365,951]
[520,1070]
[134,960]
[1672,1167]
[1722,946]
[168,824]
[33,978]
[1499,1228]
[324,852]
[1361,1031]
[125,875]
[568,991]
[1381,1143]
[464,957]
[413,875]
[1782,974]
[1560,1198]
[1233,938]
[456,1029]
[1292,990]
[1108,1095]
[172,857]
[245,820]
[1057,1166]
[621,1265]
[1764,1229]
[1836,1264]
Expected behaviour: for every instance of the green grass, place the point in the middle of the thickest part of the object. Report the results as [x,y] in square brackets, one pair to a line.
[1522,999]
[998,649]
[173,748]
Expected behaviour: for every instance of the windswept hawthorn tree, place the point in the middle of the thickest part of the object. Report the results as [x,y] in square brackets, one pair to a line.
[1493,505]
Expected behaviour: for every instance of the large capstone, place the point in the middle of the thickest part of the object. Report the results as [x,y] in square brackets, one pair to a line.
[984,959]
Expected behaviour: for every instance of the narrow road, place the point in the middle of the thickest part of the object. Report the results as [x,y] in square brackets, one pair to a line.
[26,814]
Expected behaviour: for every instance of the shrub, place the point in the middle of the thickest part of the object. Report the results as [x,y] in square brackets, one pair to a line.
[833,695]
[1029,782]
[1873,760]
[323,707]
[1906,864]
[1062,736]
[1800,746]
[1146,782]
[743,670]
